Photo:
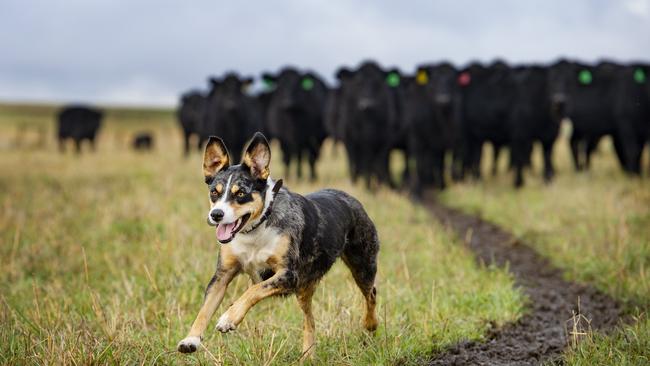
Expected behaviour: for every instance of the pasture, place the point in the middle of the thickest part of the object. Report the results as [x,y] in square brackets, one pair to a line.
[105,256]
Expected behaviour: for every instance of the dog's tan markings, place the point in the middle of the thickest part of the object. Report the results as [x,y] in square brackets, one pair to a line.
[254,294]
[234,189]
[219,188]
[370,319]
[253,207]
[228,268]
[215,157]
[304,296]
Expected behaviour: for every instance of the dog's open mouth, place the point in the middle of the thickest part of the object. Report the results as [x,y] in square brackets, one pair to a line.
[227,232]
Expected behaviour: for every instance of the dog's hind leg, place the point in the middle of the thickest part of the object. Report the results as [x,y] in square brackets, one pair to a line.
[360,255]
[304,297]
[227,269]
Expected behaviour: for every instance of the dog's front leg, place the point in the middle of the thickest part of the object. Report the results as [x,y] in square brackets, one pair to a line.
[213,296]
[282,282]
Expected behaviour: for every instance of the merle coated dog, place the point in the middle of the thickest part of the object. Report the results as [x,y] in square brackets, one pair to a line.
[284,241]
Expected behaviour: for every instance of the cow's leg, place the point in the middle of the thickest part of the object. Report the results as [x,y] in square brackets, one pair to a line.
[313,156]
[299,152]
[77,146]
[495,159]
[439,169]
[575,151]
[517,156]
[590,147]
[549,170]
[286,158]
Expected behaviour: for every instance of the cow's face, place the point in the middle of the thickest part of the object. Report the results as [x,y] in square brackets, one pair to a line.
[559,78]
[230,92]
[443,84]
[293,90]
[370,88]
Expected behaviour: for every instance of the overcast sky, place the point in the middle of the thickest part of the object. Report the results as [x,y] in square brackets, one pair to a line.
[146,52]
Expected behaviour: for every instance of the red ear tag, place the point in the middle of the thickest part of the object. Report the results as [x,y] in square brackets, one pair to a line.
[464,79]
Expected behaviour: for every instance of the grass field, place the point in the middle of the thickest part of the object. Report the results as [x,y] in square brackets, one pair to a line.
[594,225]
[104,258]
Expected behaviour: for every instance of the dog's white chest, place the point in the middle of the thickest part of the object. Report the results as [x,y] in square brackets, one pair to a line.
[254,250]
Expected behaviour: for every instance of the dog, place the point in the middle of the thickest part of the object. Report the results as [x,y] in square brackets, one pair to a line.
[284,241]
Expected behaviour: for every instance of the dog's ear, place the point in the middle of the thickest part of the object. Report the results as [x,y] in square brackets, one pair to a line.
[215,158]
[258,157]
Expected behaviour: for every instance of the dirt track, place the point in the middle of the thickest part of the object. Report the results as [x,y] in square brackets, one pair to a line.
[558,310]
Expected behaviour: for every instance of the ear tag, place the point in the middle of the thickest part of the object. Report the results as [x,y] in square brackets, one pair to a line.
[422,78]
[639,76]
[307,83]
[268,83]
[464,79]
[392,80]
[585,77]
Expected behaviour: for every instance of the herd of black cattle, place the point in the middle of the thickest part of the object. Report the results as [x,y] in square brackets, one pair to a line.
[437,111]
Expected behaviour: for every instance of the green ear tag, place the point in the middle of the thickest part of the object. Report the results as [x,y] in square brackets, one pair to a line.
[584,77]
[268,83]
[639,76]
[392,80]
[307,83]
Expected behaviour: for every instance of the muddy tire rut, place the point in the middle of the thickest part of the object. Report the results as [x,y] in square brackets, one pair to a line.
[558,312]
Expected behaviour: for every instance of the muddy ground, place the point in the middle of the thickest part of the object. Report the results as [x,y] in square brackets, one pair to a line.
[558,313]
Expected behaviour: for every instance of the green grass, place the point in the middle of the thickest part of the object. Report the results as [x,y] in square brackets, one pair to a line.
[595,225]
[104,257]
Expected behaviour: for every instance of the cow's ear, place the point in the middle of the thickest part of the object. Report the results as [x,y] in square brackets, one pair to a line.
[258,157]
[343,73]
[268,77]
[215,158]
[214,82]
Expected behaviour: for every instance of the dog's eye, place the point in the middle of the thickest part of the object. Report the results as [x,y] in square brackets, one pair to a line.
[214,193]
[240,194]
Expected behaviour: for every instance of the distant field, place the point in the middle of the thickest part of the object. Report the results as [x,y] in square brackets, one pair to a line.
[104,258]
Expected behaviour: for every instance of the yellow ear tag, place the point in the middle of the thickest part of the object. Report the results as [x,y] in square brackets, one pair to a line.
[422,78]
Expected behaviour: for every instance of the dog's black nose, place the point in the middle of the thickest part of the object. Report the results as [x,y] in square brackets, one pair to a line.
[216,215]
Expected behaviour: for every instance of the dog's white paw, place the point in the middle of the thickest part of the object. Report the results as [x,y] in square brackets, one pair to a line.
[189,344]
[225,325]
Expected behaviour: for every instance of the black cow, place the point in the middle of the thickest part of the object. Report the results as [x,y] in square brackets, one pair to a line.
[537,112]
[369,119]
[430,114]
[191,115]
[295,116]
[487,95]
[631,109]
[78,123]
[231,113]
[143,141]
[591,108]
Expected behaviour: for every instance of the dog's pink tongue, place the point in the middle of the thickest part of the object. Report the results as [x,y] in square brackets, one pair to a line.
[224,231]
